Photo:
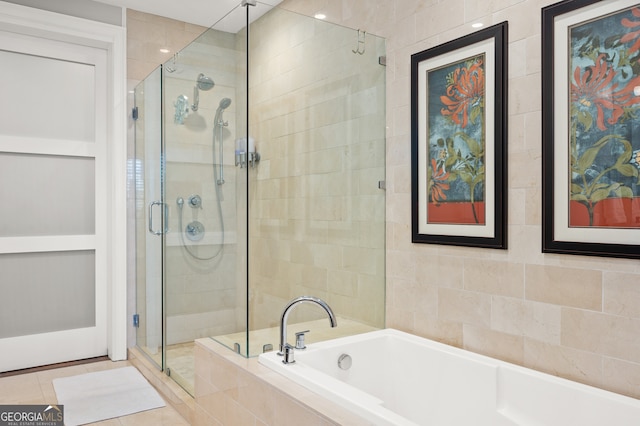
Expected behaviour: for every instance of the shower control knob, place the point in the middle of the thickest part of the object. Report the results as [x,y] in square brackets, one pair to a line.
[194,231]
[195,201]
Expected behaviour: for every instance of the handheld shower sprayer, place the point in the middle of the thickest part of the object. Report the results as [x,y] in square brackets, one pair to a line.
[219,125]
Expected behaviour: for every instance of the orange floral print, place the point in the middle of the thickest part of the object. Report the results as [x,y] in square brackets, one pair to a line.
[438,184]
[633,35]
[594,87]
[465,91]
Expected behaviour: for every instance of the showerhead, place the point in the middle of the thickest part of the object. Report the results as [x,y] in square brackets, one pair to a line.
[224,103]
[202,83]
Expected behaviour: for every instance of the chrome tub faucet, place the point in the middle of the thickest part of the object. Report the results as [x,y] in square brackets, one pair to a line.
[286,349]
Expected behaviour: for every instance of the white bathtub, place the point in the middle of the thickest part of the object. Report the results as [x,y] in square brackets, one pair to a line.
[401,379]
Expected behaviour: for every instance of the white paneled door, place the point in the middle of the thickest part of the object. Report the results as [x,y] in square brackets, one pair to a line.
[53,201]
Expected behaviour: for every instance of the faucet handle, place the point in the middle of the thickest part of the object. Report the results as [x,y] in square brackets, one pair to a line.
[300,339]
[288,354]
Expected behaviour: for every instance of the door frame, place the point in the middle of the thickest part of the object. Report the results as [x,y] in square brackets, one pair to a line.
[112,38]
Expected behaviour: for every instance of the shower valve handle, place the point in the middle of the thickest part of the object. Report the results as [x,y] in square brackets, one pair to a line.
[195,201]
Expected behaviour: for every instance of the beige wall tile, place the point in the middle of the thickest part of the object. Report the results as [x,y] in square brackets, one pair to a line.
[533,59]
[621,377]
[441,271]
[517,59]
[438,18]
[257,397]
[495,344]
[523,94]
[517,206]
[464,306]
[426,325]
[524,168]
[621,294]
[399,318]
[601,333]
[417,298]
[530,319]
[581,366]
[494,277]
[533,135]
[578,288]
[517,132]
[533,213]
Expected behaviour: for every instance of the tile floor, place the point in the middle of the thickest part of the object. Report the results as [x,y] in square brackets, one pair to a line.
[37,388]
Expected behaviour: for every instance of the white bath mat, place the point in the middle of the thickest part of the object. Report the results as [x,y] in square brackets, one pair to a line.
[102,395]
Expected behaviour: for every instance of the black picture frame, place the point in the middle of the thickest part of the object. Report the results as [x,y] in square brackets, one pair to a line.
[434,137]
[584,193]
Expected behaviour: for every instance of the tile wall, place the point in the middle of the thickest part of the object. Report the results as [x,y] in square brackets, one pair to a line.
[576,317]
[316,213]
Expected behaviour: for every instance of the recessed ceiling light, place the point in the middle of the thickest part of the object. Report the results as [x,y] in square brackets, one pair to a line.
[165,50]
[477,25]
[320,16]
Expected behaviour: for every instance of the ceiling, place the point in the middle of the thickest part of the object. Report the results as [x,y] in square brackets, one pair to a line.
[200,12]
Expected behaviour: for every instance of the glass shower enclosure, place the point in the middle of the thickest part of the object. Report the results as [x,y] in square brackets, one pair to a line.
[259,170]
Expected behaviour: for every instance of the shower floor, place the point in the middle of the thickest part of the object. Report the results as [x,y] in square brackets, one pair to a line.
[180,357]
[180,361]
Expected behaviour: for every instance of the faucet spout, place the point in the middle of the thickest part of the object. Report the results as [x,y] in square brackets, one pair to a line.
[290,306]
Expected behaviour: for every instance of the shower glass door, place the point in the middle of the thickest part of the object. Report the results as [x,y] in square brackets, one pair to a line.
[191,192]
[149,210]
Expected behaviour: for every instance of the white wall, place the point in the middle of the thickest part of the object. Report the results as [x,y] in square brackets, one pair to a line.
[79,8]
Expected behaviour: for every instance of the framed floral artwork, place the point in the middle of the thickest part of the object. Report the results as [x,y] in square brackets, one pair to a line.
[459,141]
[591,128]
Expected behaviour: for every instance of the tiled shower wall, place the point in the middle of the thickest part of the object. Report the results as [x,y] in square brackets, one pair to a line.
[317,224]
[316,213]
[576,317]
[201,292]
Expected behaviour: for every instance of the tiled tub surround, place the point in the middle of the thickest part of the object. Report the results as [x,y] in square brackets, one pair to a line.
[397,379]
[234,390]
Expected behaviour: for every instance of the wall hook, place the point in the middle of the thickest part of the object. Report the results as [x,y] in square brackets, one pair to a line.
[171,68]
[361,42]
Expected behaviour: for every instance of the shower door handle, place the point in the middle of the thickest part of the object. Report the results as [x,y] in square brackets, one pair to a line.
[151,229]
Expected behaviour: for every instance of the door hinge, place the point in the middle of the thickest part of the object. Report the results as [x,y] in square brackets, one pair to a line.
[136,320]
[134,113]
